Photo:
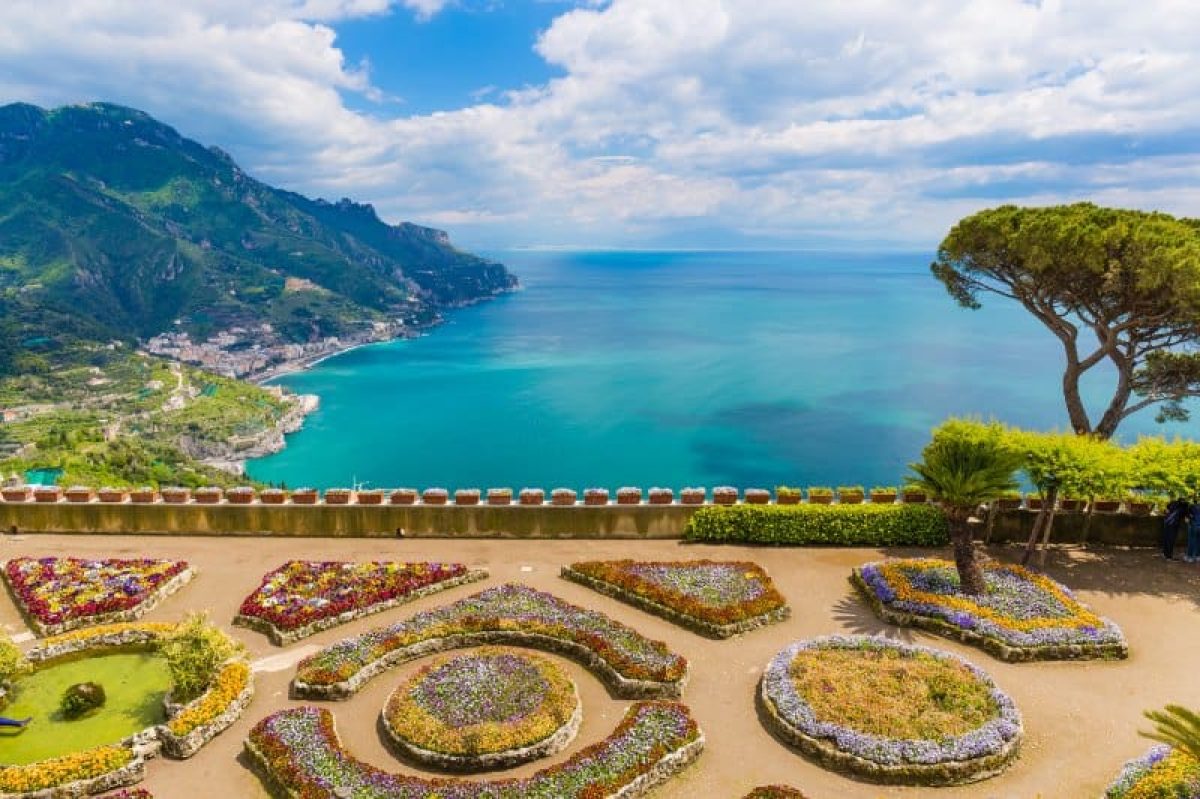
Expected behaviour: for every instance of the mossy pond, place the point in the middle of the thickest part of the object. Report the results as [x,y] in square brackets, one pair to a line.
[134,682]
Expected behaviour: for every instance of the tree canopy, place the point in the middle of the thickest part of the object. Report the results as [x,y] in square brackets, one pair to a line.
[1116,286]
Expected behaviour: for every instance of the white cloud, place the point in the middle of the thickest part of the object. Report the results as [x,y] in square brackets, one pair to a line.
[758,118]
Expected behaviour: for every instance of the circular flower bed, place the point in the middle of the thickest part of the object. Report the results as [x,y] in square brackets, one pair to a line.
[492,708]
[890,712]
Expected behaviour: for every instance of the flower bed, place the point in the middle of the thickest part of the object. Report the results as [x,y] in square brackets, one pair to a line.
[717,599]
[210,714]
[60,594]
[868,706]
[1022,616]
[299,752]
[1161,772]
[492,708]
[775,792]
[77,774]
[303,597]
[632,665]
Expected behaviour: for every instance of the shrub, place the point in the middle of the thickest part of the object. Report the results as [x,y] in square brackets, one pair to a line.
[839,525]
[194,652]
[12,662]
[81,698]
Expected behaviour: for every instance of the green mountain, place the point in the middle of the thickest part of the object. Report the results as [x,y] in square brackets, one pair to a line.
[114,226]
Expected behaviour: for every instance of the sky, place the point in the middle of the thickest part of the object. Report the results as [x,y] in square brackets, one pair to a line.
[653,123]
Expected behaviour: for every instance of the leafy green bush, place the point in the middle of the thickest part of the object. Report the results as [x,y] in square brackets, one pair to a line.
[12,662]
[837,525]
[194,653]
[82,698]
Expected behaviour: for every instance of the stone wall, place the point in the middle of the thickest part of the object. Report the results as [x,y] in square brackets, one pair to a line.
[643,521]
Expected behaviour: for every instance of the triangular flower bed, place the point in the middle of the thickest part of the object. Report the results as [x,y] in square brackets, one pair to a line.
[714,598]
[1021,616]
[631,664]
[60,594]
[303,597]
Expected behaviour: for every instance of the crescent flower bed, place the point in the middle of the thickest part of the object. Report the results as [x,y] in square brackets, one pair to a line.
[492,708]
[300,754]
[890,712]
[104,768]
[60,594]
[303,597]
[1161,772]
[1022,615]
[775,792]
[632,665]
[714,598]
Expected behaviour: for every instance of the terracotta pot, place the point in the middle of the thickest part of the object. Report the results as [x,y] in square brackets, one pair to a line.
[18,494]
[595,496]
[466,496]
[273,496]
[789,498]
[338,496]
[692,496]
[661,496]
[820,499]
[913,498]
[1070,505]
[143,496]
[1138,508]
[175,496]
[435,496]
[499,496]
[563,496]
[1033,503]
[371,497]
[725,496]
[1106,505]
[1009,503]
[208,496]
[404,496]
[240,496]
[79,494]
[850,498]
[47,494]
[117,495]
[304,496]
[879,498]
[629,496]
[757,496]
[532,496]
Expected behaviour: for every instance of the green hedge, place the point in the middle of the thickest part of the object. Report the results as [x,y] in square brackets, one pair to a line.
[837,525]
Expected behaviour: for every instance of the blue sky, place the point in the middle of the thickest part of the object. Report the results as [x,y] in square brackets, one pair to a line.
[654,123]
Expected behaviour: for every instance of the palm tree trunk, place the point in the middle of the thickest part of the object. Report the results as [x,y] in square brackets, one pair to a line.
[970,575]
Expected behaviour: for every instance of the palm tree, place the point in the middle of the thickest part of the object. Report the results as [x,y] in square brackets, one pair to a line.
[960,470]
[1178,727]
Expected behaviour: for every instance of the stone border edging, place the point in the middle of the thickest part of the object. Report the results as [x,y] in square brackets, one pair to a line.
[152,601]
[622,686]
[954,772]
[990,644]
[554,743]
[696,625]
[281,637]
[184,746]
[129,774]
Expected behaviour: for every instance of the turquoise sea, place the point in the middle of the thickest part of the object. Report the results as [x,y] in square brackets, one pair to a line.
[749,369]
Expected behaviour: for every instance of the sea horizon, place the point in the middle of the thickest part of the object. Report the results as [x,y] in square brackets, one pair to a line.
[751,368]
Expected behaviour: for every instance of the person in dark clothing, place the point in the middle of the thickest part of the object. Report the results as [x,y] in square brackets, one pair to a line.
[1176,513]
[7,722]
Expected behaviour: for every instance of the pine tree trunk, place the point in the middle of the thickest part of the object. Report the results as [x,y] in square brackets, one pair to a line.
[970,575]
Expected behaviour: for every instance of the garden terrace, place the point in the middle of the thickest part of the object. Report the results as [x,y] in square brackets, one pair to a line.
[1021,616]
[303,597]
[299,752]
[890,712]
[631,664]
[714,598]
